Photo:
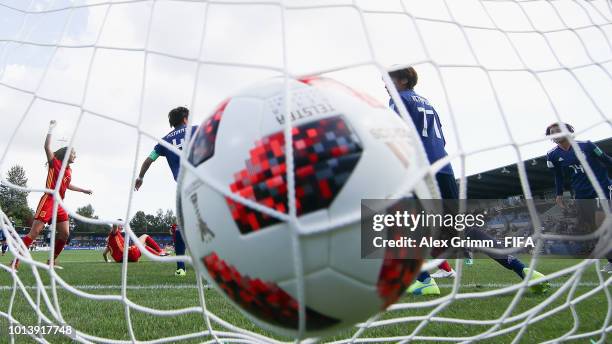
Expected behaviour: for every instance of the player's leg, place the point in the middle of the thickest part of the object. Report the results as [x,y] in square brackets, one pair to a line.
[4,247]
[151,245]
[28,239]
[179,248]
[446,271]
[63,231]
[449,190]
[43,214]
[590,216]
[508,261]
[425,284]
[61,236]
[599,218]
[134,253]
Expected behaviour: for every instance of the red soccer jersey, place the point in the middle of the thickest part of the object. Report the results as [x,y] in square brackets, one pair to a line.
[115,244]
[54,169]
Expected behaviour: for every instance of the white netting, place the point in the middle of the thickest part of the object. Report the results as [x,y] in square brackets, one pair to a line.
[499,72]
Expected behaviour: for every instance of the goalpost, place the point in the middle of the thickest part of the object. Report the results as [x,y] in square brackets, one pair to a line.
[498,72]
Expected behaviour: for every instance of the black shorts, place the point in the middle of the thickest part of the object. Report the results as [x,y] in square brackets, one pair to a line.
[585,214]
[586,210]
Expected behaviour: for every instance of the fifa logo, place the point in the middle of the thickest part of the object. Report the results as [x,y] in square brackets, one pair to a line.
[206,234]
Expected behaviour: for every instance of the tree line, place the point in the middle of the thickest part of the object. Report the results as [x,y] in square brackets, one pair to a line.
[14,204]
[140,222]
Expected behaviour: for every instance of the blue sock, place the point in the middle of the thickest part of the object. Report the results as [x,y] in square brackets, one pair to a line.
[509,262]
[514,264]
[179,248]
[4,248]
[423,276]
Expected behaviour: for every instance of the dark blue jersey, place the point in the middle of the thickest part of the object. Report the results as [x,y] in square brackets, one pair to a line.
[566,162]
[176,138]
[428,125]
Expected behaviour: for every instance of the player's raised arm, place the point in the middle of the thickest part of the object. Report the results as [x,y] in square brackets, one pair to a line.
[48,150]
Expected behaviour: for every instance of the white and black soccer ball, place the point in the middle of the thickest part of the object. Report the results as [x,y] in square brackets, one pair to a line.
[346,147]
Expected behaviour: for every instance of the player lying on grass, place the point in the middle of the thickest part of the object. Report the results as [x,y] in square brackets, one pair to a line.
[562,159]
[178,119]
[115,244]
[44,211]
[427,123]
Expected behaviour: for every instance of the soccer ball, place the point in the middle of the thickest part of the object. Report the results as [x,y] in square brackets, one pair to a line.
[346,147]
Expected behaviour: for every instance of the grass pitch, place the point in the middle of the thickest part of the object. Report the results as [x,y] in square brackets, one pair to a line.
[154,285]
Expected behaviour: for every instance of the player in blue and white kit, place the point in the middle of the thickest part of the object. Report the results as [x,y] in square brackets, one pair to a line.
[3,243]
[427,123]
[563,160]
[178,119]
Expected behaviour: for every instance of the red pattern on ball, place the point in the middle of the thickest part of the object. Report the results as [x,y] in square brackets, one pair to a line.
[262,299]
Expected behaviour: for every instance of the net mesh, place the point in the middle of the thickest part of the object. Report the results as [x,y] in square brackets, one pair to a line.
[559,52]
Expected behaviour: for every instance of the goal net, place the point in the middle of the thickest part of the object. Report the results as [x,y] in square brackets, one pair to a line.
[498,73]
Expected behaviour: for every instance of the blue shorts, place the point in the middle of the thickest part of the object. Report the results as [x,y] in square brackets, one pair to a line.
[448,186]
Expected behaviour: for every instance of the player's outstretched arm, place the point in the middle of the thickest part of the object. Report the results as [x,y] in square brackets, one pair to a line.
[78,189]
[48,150]
[143,170]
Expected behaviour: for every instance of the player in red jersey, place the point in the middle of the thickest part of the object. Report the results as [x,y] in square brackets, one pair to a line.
[115,244]
[44,211]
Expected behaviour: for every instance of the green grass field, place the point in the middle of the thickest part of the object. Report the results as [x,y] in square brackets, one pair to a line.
[154,285]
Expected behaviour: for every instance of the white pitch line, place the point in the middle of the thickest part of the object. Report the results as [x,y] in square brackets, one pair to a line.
[118,287]
[504,285]
[190,286]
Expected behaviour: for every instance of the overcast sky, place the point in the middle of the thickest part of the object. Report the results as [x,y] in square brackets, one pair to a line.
[240,40]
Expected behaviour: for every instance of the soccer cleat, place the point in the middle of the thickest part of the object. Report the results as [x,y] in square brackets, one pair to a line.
[540,288]
[427,287]
[607,268]
[180,272]
[444,274]
[55,265]
[163,253]
[468,261]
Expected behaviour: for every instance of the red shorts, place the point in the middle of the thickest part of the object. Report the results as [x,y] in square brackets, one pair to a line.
[44,212]
[133,254]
